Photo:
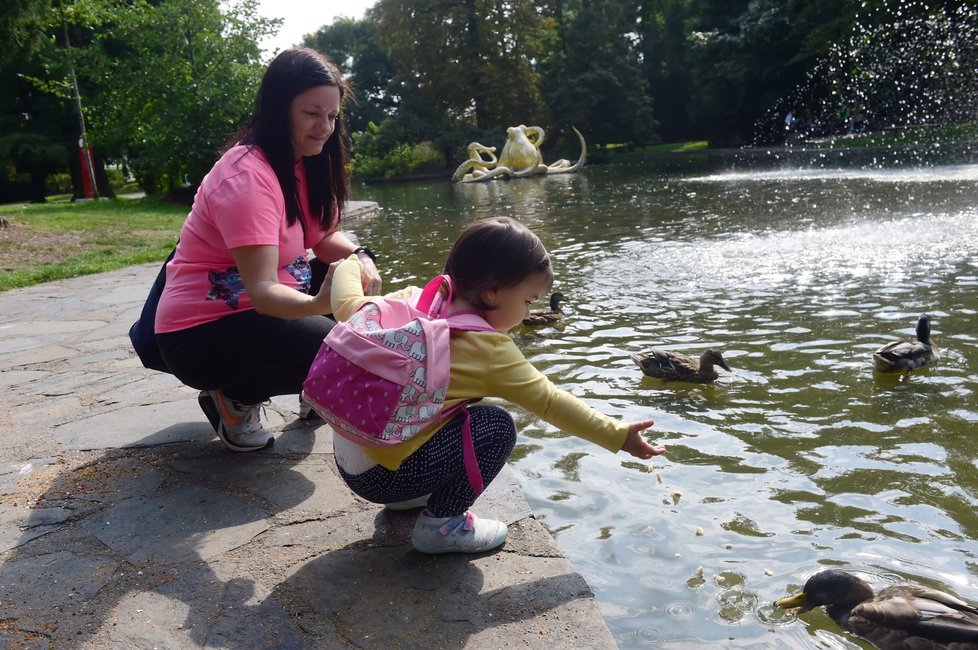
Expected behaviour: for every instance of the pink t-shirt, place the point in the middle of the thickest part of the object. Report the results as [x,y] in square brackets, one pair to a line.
[239,203]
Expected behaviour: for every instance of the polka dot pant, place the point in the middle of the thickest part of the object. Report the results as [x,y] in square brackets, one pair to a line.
[437,468]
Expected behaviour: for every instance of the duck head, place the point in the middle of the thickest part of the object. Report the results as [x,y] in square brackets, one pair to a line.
[829,587]
[923,328]
[713,358]
[555,299]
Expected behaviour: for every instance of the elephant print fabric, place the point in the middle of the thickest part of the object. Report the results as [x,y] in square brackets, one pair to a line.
[381,377]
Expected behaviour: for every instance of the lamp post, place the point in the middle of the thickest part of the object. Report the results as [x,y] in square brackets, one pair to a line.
[88,169]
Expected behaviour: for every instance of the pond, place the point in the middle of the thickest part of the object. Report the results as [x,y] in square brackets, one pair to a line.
[799,458]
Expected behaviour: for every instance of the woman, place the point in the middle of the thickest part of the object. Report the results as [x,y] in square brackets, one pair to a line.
[241,318]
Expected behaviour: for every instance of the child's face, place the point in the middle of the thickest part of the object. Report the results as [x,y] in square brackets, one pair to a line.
[512,304]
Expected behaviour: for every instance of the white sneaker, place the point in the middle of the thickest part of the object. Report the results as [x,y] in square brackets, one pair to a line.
[306,411]
[459,534]
[240,427]
[410,504]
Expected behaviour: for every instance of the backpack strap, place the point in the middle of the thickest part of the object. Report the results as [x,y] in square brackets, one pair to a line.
[468,447]
[431,292]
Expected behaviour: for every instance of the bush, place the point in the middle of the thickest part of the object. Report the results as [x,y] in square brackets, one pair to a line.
[402,160]
[59,184]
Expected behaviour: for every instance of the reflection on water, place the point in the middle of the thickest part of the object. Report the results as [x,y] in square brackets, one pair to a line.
[802,455]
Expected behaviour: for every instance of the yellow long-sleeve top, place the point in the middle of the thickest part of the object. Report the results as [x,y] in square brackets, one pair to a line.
[483,364]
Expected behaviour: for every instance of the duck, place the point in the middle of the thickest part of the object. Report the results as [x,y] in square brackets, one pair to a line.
[905,356]
[666,364]
[900,617]
[551,317]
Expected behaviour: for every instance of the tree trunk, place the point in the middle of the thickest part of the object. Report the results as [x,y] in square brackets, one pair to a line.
[37,188]
[102,184]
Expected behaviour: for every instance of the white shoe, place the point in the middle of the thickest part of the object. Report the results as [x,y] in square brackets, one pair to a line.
[240,427]
[459,534]
[306,411]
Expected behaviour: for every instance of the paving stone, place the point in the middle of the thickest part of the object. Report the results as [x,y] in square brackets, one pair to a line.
[138,426]
[189,524]
[47,582]
[212,607]
[284,481]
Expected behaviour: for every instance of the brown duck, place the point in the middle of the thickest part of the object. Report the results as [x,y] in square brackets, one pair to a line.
[905,356]
[666,364]
[550,317]
[901,617]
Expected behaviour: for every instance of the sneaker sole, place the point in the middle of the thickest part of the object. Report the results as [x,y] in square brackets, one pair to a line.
[436,550]
[209,408]
[309,415]
[222,434]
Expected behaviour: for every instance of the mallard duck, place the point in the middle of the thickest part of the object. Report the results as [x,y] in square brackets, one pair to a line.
[904,356]
[666,364]
[898,617]
[554,315]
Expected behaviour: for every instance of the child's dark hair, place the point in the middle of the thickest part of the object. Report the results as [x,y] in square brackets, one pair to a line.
[495,253]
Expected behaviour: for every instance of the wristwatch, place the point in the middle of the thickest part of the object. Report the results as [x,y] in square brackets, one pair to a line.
[366,251]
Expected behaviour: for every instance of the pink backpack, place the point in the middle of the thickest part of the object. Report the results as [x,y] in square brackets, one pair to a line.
[381,377]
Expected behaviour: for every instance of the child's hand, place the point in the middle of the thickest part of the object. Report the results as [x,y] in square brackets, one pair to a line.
[636,445]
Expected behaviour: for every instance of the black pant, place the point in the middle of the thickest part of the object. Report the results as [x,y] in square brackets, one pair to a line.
[248,356]
[437,468]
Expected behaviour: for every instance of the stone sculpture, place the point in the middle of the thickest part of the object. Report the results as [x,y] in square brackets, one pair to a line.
[520,158]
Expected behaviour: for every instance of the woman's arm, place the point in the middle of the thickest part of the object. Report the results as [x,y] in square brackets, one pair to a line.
[258,266]
[336,246]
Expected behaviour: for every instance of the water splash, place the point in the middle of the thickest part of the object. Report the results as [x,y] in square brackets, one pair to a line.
[878,175]
[908,70]
[891,250]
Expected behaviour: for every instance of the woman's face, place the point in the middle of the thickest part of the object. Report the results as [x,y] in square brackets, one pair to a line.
[312,119]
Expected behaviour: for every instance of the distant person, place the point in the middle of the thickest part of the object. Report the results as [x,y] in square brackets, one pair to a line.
[857,119]
[809,123]
[498,267]
[241,317]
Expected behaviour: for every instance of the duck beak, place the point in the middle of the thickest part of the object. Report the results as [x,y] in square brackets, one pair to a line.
[725,366]
[798,600]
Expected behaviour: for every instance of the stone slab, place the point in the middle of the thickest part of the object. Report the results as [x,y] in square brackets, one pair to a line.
[189,524]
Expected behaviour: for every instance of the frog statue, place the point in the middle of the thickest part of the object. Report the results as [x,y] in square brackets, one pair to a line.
[520,157]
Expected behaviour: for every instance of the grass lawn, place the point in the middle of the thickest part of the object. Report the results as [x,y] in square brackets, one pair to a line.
[60,239]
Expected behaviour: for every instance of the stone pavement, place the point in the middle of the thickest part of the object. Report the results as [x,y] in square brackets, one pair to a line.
[126,524]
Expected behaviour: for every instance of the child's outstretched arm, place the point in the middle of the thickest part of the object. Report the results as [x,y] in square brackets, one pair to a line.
[636,445]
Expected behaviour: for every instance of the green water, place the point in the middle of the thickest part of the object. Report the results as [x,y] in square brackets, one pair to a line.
[802,456]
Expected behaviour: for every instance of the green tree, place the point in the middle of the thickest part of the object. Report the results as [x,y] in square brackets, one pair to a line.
[351,45]
[35,155]
[744,56]
[42,69]
[663,36]
[470,61]
[175,78]
[595,81]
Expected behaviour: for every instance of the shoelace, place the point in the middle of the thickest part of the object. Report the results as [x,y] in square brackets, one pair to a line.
[252,418]
[466,522]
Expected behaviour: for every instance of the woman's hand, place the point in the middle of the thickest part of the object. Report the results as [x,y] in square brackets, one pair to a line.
[337,246]
[370,276]
[636,445]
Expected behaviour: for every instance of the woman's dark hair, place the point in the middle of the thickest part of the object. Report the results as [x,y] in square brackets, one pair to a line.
[291,73]
[492,254]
